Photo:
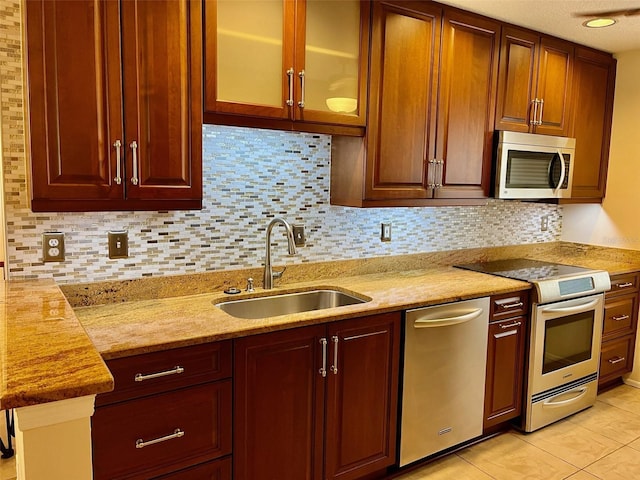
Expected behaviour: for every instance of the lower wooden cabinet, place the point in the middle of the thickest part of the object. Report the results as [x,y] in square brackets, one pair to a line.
[170,411]
[216,470]
[619,328]
[505,358]
[317,402]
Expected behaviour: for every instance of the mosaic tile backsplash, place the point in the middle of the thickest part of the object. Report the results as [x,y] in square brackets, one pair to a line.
[250,177]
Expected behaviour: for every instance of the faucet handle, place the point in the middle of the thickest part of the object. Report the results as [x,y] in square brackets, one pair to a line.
[250,285]
[279,274]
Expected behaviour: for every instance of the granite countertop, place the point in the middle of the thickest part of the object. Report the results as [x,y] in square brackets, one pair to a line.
[138,327]
[45,354]
[50,351]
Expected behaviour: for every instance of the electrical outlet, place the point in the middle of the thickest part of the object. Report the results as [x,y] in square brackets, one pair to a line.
[118,244]
[298,235]
[53,247]
[385,232]
[544,223]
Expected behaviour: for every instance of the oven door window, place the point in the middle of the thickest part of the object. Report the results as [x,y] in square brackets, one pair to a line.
[535,169]
[568,340]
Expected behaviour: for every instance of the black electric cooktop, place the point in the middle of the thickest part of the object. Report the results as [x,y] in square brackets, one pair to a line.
[525,269]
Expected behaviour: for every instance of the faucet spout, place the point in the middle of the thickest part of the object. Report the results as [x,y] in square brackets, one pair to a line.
[269,274]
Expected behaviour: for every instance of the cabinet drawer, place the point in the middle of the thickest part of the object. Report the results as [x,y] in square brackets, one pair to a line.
[216,470]
[620,316]
[621,284]
[509,305]
[202,413]
[157,372]
[616,358]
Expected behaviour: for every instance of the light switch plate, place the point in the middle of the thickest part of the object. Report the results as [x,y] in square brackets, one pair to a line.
[385,232]
[119,244]
[298,235]
[53,247]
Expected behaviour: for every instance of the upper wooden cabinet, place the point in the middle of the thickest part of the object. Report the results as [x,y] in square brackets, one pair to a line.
[114,104]
[277,63]
[534,86]
[430,127]
[593,88]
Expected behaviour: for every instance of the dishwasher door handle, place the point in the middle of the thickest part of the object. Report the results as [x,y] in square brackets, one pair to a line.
[445,322]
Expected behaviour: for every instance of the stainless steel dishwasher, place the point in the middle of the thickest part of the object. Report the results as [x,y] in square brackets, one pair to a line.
[445,356]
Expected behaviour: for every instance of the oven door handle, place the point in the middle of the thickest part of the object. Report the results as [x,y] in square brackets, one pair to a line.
[581,392]
[573,309]
[444,322]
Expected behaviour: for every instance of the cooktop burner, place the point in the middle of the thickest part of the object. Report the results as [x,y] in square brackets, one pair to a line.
[525,269]
[552,281]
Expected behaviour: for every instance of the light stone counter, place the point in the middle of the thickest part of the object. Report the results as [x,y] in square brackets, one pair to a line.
[45,354]
[149,325]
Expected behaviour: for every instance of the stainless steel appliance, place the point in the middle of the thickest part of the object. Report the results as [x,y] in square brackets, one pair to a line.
[566,330]
[443,380]
[531,166]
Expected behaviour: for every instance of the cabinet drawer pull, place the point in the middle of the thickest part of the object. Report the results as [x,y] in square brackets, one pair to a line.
[334,367]
[290,76]
[505,334]
[512,305]
[624,285]
[177,433]
[620,318]
[541,107]
[118,178]
[511,325]
[615,360]
[535,112]
[134,151]
[323,369]
[176,370]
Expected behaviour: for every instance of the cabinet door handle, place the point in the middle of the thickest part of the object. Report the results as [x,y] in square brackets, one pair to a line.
[323,369]
[134,151]
[535,112]
[620,318]
[301,102]
[512,305]
[334,367]
[541,107]
[177,433]
[431,173]
[615,360]
[624,285]
[290,76]
[174,371]
[440,171]
[511,325]
[118,178]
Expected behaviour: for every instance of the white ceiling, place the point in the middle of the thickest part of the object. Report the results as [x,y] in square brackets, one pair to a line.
[557,17]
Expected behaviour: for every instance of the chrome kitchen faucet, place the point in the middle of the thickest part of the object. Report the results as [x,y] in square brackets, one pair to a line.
[269,274]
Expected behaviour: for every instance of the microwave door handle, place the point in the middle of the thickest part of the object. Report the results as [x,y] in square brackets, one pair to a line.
[563,170]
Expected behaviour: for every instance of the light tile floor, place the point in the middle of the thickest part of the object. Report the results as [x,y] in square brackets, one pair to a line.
[602,442]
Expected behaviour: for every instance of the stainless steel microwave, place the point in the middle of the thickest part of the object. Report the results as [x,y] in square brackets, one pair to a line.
[532,166]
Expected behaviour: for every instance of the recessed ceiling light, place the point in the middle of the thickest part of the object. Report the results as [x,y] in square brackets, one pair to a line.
[599,22]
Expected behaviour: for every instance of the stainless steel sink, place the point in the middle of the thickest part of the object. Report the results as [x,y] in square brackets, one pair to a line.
[288,303]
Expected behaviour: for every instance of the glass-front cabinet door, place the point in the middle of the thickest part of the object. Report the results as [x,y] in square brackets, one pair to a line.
[302,60]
